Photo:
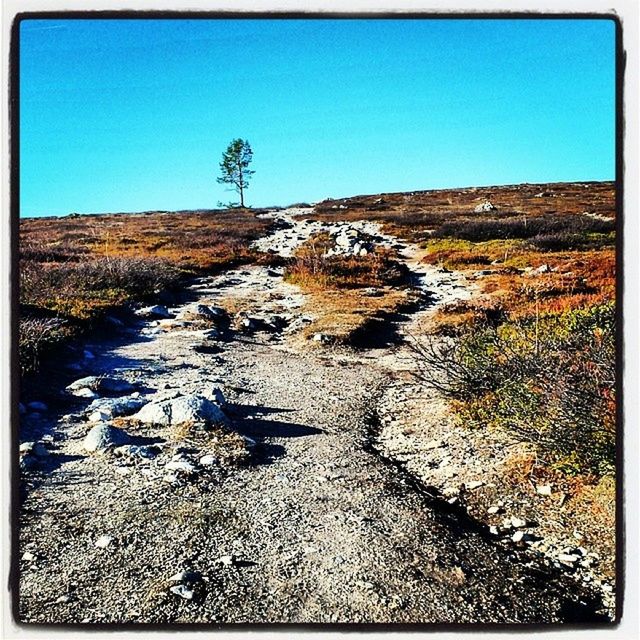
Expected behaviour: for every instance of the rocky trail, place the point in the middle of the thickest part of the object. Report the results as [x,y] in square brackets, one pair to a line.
[284,511]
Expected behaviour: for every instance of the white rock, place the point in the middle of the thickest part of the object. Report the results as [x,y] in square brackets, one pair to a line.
[544,489]
[568,558]
[101,384]
[67,597]
[474,484]
[104,436]
[182,591]
[85,392]
[115,407]
[99,416]
[208,460]
[493,510]
[135,451]
[27,556]
[183,465]
[154,311]
[517,523]
[186,408]
[434,444]
[517,536]
[226,561]
[103,541]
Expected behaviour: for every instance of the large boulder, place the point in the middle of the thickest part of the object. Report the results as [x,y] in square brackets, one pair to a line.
[103,436]
[184,408]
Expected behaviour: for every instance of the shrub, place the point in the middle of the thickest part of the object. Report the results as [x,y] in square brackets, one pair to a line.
[549,382]
[36,337]
[480,229]
[312,267]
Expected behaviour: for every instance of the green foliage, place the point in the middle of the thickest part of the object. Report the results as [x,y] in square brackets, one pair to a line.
[234,166]
[550,382]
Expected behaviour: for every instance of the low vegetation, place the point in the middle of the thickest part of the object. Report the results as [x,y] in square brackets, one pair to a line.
[549,382]
[533,354]
[349,294]
[74,270]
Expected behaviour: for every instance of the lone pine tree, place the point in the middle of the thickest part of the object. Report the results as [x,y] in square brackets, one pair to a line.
[234,166]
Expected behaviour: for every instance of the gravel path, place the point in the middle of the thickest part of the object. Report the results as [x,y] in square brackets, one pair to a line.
[317,528]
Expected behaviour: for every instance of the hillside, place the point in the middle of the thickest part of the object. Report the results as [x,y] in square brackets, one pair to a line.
[384,408]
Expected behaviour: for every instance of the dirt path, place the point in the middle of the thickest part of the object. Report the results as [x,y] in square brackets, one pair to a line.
[318,528]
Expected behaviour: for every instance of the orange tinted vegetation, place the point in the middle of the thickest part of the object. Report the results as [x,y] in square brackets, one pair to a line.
[74,270]
[570,227]
[203,240]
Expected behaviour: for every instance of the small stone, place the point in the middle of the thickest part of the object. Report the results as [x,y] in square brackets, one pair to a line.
[434,444]
[99,416]
[155,311]
[208,460]
[493,530]
[577,535]
[473,484]
[27,556]
[568,558]
[182,591]
[516,523]
[453,500]
[227,561]
[27,447]
[493,510]
[104,541]
[517,536]
[544,489]
[67,597]
[182,465]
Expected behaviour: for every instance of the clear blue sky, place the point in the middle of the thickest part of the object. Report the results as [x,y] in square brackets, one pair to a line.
[132,115]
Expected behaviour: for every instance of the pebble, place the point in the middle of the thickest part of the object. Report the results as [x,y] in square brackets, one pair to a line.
[516,523]
[517,536]
[567,558]
[473,484]
[493,510]
[182,591]
[65,598]
[27,556]
[227,561]
[544,489]
[104,541]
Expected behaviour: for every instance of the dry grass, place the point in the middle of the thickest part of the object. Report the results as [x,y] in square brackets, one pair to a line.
[77,269]
[345,316]
[348,294]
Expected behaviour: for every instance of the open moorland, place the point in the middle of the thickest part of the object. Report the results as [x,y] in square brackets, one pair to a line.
[396,407]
